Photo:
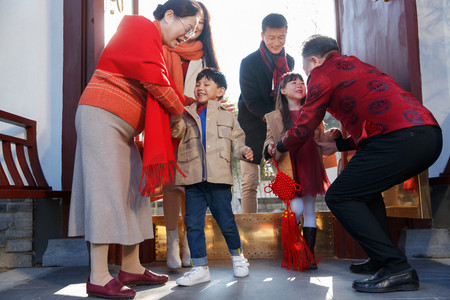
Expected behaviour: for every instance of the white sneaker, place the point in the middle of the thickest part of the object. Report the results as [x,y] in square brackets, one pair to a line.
[194,276]
[240,265]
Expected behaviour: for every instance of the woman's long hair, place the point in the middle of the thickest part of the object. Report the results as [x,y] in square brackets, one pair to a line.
[282,102]
[209,54]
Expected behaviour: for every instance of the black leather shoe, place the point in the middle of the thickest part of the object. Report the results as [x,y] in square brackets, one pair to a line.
[385,281]
[366,267]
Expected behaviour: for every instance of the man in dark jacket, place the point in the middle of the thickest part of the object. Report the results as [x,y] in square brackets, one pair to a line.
[259,76]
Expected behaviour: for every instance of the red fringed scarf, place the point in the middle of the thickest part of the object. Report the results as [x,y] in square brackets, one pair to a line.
[277,64]
[296,253]
[191,51]
[135,51]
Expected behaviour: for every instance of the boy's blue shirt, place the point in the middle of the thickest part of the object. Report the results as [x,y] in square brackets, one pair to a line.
[202,116]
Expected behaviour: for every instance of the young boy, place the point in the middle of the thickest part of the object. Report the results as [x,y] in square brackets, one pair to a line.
[209,134]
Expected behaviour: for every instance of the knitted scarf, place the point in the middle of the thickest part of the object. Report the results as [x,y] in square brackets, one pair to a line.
[136,51]
[192,51]
[277,64]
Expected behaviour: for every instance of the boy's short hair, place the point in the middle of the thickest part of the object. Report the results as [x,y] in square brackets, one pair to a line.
[214,75]
[274,21]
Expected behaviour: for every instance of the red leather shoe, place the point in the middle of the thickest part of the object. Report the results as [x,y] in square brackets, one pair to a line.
[148,278]
[112,290]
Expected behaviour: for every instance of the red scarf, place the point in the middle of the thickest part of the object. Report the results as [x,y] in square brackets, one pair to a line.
[191,51]
[277,63]
[136,51]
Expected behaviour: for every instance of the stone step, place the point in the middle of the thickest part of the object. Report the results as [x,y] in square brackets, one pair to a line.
[417,243]
[66,253]
[420,243]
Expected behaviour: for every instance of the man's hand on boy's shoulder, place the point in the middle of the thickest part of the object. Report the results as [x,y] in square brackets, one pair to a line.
[228,106]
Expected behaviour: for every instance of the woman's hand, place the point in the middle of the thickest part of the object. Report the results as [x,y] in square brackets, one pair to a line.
[173,119]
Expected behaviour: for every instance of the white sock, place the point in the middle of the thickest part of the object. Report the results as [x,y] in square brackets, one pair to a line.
[309,213]
[297,208]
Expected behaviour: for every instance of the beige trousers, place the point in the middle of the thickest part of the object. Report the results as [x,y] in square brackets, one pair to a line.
[250,181]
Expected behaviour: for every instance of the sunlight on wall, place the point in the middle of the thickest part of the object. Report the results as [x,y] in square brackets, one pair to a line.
[236,28]
[113,16]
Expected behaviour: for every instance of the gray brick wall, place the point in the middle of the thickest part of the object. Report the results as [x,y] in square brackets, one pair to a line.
[16,233]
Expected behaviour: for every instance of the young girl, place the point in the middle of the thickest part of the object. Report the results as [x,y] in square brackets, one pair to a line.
[305,166]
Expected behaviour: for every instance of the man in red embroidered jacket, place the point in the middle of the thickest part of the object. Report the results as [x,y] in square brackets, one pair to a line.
[395,136]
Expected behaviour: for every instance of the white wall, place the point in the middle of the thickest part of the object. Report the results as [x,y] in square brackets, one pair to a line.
[31,64]
[434,47]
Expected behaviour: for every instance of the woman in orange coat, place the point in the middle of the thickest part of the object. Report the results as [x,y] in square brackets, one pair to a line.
[131,90]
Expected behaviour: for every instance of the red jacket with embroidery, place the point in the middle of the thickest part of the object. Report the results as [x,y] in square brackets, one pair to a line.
[365,100]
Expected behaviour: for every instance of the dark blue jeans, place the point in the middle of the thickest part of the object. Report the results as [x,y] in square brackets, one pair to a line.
[218,198]
[381,162]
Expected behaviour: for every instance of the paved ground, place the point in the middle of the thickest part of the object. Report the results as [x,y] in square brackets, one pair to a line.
[267,280]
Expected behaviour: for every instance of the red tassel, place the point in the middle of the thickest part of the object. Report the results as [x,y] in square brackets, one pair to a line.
[296,253]
[285,263]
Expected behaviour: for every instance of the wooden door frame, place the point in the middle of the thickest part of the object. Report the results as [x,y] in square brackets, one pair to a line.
[412,36]
[347,247]
[83,44]
[84,37]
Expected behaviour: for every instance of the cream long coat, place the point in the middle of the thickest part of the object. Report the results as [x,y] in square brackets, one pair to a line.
[224,137]
[195,66]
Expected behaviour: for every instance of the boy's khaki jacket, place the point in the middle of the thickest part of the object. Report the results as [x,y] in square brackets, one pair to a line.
[275,132]
[223,137]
